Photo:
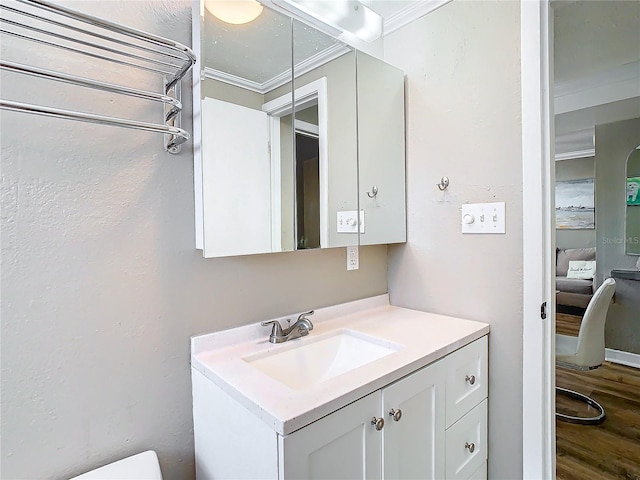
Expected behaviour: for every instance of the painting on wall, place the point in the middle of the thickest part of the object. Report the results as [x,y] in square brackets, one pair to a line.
[575,204]
[633,190]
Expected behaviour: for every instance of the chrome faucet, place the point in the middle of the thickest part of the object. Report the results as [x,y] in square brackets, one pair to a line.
[301,328]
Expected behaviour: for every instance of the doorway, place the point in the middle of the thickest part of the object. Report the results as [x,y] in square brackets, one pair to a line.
[307,190]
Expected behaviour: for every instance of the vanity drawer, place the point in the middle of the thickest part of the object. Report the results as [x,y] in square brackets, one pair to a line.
[466,445]
[467,376]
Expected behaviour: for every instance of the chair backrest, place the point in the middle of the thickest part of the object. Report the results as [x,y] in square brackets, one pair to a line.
[591,336]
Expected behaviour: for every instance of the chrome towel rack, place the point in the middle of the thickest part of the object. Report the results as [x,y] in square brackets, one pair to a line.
[50,25]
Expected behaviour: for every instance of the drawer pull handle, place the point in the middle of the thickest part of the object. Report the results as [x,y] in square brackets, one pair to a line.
[470,446]
[396,414]
[471,379]
[378,423]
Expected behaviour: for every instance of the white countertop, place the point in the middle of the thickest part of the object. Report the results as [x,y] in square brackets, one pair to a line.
[425,338]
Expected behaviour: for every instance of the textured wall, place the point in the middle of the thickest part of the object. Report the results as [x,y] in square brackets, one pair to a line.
[101,283]
[614,143]
[463,120]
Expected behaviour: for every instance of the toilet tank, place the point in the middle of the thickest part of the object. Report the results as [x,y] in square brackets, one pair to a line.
[143,466]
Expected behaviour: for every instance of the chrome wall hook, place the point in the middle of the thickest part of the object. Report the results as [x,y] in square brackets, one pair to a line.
[373,192]
[444,183]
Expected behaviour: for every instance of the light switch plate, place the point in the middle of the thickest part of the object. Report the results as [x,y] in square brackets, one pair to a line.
[347,221]
[483,217]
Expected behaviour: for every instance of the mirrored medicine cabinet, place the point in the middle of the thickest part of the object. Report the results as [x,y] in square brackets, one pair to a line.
[294,133]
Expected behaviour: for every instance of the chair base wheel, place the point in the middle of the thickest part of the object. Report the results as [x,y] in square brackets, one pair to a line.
[588,400]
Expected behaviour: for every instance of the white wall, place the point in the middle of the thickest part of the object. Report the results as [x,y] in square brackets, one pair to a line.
[614,142]
[102,286]
[462,64]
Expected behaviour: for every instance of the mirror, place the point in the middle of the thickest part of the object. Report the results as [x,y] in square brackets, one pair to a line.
[326,138]
[276,141]
[241,66]
[381,151]
[632,229]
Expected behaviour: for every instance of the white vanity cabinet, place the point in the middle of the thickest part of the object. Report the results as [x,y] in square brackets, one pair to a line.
[396,432]
[466,411]
[429,424]
[343,445]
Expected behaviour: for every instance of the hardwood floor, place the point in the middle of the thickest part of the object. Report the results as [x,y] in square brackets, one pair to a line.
[567,324]
[610,450]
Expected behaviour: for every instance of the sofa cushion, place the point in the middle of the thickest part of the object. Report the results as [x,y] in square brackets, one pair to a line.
[582,269]
[564,256]
[574,285]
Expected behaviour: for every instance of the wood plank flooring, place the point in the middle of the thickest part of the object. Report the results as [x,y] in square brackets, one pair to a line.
[610,450]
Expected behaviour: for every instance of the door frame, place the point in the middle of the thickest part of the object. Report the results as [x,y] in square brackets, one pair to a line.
[538,337]
[305,96]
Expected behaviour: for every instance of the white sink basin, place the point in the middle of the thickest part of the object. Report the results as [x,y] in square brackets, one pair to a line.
[310,361]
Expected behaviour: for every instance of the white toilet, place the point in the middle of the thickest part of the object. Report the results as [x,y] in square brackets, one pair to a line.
[143,466]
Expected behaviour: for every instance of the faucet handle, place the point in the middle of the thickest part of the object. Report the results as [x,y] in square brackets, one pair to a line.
[302,315]
[277,328]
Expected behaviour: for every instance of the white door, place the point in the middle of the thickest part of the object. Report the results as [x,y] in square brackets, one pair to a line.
[538,343]
[414,431]
[341,446]
[236,170]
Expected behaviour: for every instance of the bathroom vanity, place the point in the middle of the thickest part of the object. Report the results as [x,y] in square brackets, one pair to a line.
[374,391]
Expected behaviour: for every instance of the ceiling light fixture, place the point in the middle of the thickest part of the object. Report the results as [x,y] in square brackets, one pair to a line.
[235,12]
[351,16]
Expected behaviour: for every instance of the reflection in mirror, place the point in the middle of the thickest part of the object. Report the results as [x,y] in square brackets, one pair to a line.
[277,121]
[307,188]
[326,164]
[633,203]
[242,64]
[381,152]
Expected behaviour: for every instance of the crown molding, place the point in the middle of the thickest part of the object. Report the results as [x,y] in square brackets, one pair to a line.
[334,51]
[590,152]
[325,56]
[413,11]
[578,144]
[234,80]
[613,85]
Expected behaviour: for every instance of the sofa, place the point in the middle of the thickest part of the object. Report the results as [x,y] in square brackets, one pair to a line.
[573,292]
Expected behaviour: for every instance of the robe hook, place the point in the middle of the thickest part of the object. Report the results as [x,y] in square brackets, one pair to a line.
[444,183]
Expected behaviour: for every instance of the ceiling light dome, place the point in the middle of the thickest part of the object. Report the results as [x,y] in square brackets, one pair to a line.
[236,12]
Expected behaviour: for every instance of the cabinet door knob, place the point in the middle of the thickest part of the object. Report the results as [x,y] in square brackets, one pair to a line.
[378,423]
[470,446]
[396,414]
[471,379]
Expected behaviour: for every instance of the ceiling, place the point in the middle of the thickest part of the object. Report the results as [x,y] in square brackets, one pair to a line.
[596,70]
[257,55]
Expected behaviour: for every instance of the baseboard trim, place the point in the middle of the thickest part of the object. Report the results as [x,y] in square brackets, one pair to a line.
[623,358]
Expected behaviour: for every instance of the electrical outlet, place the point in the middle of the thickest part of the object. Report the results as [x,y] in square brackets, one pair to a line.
[353,262]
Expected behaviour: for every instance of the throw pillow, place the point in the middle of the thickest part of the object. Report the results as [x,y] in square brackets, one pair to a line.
[585,269]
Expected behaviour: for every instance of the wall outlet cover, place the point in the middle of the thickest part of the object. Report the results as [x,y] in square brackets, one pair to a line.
[353,260]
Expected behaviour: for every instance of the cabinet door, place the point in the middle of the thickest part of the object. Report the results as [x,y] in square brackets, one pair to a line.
[413,445]
[343,445]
